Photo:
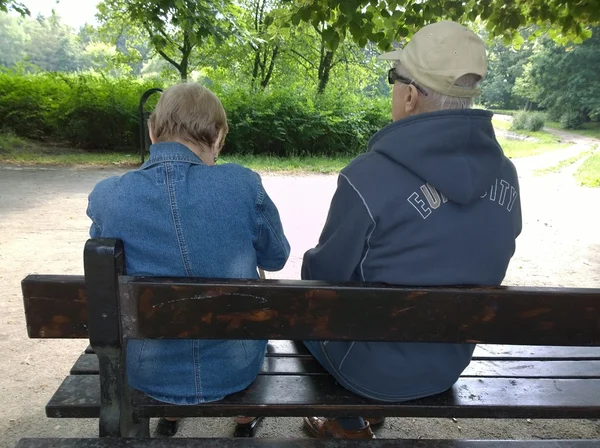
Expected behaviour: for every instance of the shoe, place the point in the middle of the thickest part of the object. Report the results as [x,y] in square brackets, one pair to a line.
[374,422]
[167,428]
[324,428]
[247,429]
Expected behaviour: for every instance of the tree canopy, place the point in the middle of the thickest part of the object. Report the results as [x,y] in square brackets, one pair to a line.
[387,21]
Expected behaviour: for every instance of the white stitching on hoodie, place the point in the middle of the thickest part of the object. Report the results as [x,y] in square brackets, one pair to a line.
[368,240]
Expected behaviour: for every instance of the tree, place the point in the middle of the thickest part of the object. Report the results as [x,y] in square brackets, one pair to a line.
[388,21]
[564,79]
[505,65]
[44,43]
[265,42]
[12,5]
[176,28]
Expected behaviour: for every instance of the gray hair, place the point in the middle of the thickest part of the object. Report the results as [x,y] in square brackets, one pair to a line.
[438,101]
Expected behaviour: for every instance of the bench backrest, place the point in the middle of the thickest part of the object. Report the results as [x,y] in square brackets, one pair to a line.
[113,306]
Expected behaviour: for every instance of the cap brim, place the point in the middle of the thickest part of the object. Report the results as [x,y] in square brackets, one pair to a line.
[390,56]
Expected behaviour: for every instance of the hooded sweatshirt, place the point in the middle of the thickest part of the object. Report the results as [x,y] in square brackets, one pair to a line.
[433,202]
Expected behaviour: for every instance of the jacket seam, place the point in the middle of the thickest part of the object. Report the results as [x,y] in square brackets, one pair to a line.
[368,239]
[176,219]
[93,217]
[264,218]
[346,355]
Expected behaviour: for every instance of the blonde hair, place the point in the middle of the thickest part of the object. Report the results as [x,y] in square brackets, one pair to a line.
[191,113]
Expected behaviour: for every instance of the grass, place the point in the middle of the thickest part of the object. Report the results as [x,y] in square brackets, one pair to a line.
[588,173]
[14,149]
[504,112]
[311,164]
[544,141]
[517,148]
[25,152]
[590,129]
[563,164]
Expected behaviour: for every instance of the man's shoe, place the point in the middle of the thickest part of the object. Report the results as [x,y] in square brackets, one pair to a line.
[374,422]
[324,428]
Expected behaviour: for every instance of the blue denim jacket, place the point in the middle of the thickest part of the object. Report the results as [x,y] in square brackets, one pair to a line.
[179,217]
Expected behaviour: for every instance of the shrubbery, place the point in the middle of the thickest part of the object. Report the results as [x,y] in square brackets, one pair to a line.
[571,120]
[98,113]
[528,121]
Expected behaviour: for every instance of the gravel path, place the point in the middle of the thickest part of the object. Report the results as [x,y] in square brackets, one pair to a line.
[43,222]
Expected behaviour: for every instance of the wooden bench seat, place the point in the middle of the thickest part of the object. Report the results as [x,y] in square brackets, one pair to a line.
[568,385]
[558,376]
[298,443]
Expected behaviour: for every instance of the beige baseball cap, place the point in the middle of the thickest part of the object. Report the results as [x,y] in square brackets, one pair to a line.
[439,54]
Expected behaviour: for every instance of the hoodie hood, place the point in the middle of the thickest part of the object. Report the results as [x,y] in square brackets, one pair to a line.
[455,151]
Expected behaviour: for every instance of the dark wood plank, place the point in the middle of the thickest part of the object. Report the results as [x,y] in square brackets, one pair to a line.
[88,365]
[287,348]
[273,309]
[77,397]
[530,352]
[483,352]
[299,443]
[533,369]
[271,395]
[55,306]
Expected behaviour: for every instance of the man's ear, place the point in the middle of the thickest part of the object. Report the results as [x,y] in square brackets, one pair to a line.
[411,100]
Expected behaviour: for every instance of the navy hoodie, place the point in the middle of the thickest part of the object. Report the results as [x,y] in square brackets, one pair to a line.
[433,202]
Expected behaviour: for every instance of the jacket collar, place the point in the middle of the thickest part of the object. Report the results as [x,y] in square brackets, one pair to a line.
[171,152]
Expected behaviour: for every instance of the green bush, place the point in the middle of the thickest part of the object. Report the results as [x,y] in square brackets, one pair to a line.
[571,120]
[98,113]
[87,111]
[528,121]
[554,114]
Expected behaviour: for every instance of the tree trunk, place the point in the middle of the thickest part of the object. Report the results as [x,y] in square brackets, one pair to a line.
[325,70]
[267,78]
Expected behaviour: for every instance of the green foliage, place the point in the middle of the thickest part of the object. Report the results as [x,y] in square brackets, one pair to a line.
[100,113]
[389,21]
[528,121]
[565,79]
[505,66]
[572,120]
[287,123]
[12,5]
[87,111]
[175,27]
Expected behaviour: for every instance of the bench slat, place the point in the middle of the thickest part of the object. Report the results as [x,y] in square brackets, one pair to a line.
[299,443]
[483,352]
[87,364]
[531,352]
[296,310]
[55,306]
[290,395]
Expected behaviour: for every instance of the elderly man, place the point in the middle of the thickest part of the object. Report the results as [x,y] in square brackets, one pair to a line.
[434,201]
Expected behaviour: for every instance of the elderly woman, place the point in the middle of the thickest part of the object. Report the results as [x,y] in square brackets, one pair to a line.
[433,202]
[180,215]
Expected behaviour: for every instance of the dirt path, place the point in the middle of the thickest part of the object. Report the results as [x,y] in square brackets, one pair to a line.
[43,222]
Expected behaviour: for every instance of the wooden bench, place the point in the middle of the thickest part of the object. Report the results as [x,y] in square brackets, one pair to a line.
[558,379]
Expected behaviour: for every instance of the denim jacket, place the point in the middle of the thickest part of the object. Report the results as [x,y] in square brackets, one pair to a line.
[181,218]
